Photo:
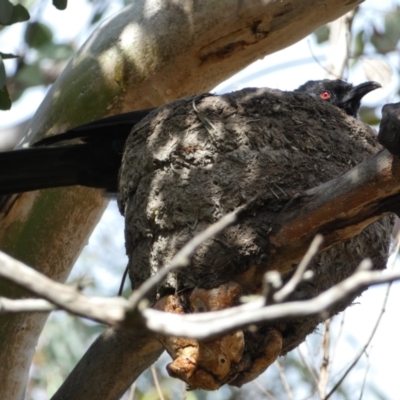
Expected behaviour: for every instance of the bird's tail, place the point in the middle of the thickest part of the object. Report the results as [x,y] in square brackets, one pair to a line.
[40,168]
[94,162]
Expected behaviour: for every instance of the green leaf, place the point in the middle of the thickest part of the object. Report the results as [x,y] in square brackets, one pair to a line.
[6,11]
[58,52]
[359,44]
[20,14]
[38,34]
[5,101]
[382,42]
[368,115]
[322,34]
[29,75]
[97,17]
[60,4]
[6,56]
[2,73]
[392,24]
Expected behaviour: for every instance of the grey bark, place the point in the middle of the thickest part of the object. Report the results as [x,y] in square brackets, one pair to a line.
[116,352]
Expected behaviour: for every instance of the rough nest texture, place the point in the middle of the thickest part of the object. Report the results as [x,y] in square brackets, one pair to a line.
[192,161]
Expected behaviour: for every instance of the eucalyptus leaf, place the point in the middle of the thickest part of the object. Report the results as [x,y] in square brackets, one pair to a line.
[97,17]
[60,4]
[322,34]
[5,101]
[2,73]
[53,51]
[392,26]
[368,115]
[6,56]
[29,75]
[20,14]
[38,34]
[383,43]
[377,70]
[359,44]
[6,10]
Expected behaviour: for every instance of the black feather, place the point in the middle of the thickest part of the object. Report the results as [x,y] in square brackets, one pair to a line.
[95,161]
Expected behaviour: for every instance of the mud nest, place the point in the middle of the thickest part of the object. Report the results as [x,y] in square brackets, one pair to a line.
[192,161]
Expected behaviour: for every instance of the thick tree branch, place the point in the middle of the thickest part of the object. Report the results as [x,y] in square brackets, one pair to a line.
[338,209]
[115,358]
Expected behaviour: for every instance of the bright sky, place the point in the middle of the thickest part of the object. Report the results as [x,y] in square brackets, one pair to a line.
[284,70]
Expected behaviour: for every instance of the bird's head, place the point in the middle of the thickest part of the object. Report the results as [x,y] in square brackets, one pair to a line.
[339,93]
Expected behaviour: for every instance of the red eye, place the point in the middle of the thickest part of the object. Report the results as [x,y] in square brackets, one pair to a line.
[325,95]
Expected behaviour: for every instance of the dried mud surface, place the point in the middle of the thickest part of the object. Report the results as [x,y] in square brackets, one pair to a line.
[192,161]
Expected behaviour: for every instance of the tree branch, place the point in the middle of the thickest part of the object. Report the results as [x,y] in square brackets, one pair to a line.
[203,326]
[338,209]
[117,311]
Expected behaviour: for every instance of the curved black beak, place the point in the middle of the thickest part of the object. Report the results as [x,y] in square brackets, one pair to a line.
[352,99]
[359,91]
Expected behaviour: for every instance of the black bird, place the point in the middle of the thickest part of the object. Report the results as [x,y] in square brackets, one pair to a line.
[389,128]
[95,162]
[340,93]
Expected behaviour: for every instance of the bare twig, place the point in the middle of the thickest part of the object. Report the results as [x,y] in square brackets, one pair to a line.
[300,270]
[285,383]
[184,389]
[365,376]
[310,396]
[314,57]
[121,286]
[107,310]
[118,311]
[267,394]
[363,350]
[132,391]
[210,127]
[25,305]
[310,354]
[395,251]
[338,336]
[156,382]
[324,370]
[307,365]
[209,324]
[272,281]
